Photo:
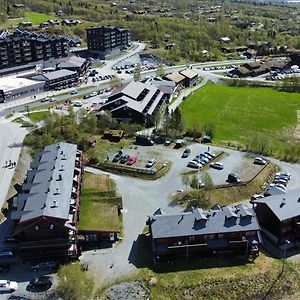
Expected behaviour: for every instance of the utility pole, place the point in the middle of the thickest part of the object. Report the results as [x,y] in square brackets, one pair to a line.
[27,109]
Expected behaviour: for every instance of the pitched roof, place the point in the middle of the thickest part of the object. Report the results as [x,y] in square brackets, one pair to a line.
[138,96]
[72,62]
[188,73]
[49,185]
[175,76]
[283,206]
[198,222]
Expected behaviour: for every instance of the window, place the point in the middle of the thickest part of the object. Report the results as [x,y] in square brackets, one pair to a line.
[192,238]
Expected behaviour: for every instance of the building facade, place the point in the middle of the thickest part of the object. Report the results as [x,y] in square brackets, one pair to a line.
[106,39]
[46,211]
[279,216]
[201,233]
[23,47]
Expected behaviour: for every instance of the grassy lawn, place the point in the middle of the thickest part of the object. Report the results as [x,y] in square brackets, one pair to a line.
[96,211]
[241,112]
[38,116]
[37,18]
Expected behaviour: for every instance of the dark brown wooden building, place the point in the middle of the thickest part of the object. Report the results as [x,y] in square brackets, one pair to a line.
[46,211]
[279,216]
[202,233]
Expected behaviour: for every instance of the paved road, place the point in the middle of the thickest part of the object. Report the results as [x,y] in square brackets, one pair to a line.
[11,140]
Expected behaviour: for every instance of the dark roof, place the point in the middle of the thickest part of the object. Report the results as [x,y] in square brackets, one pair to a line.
[197,222]
[47,194]
[283,206]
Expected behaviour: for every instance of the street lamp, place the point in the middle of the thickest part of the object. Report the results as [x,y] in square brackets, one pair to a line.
[286,243]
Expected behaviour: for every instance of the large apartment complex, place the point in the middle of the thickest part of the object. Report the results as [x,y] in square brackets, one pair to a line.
[201,233]
[106,39]
[23,47]
[46,211]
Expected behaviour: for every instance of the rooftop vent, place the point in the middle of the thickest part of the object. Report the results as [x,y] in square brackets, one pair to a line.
[283,202]
[57,191]
[59,177]
[61,152]
[54,204]
[61,168]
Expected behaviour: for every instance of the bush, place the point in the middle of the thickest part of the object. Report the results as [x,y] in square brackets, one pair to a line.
[74,284]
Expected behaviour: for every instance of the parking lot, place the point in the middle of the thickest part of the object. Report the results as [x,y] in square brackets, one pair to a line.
[233,162]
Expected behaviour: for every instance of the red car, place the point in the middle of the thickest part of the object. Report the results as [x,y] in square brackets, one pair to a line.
[132,160]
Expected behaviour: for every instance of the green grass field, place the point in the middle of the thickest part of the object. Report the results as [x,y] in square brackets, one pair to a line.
[240,112]
[38,116]
[37,18]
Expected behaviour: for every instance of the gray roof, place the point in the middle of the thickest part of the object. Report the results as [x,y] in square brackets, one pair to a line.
[128,96]
[198,222]
[283,206]
[54,75]
[50,189]
[72,62]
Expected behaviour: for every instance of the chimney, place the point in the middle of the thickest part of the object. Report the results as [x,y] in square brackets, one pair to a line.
[180,219]
[59,177]
[61,168]
[283,202]
[57,191]
[61,152]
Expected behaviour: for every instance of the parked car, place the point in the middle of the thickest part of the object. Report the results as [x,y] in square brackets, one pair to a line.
[74,92]
[186,153]
[43,282]
[6,253]
[259,161]
[194,164]
[232,178]
[117,157]
[167,142]
[8,286]
[52,99]
[150,163]
[77,104]
[211,154]
[93,94]
[280,185]
[203,157]
[280,181]
[4,268]
[132,160]
[200,161]
[48,265]
[217,165]
[47,99]
[124,159]
[284,174]
[86,96]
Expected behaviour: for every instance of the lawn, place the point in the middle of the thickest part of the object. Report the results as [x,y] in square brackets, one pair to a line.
[98,209]
[241,112]
[38,116]
[37,18]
